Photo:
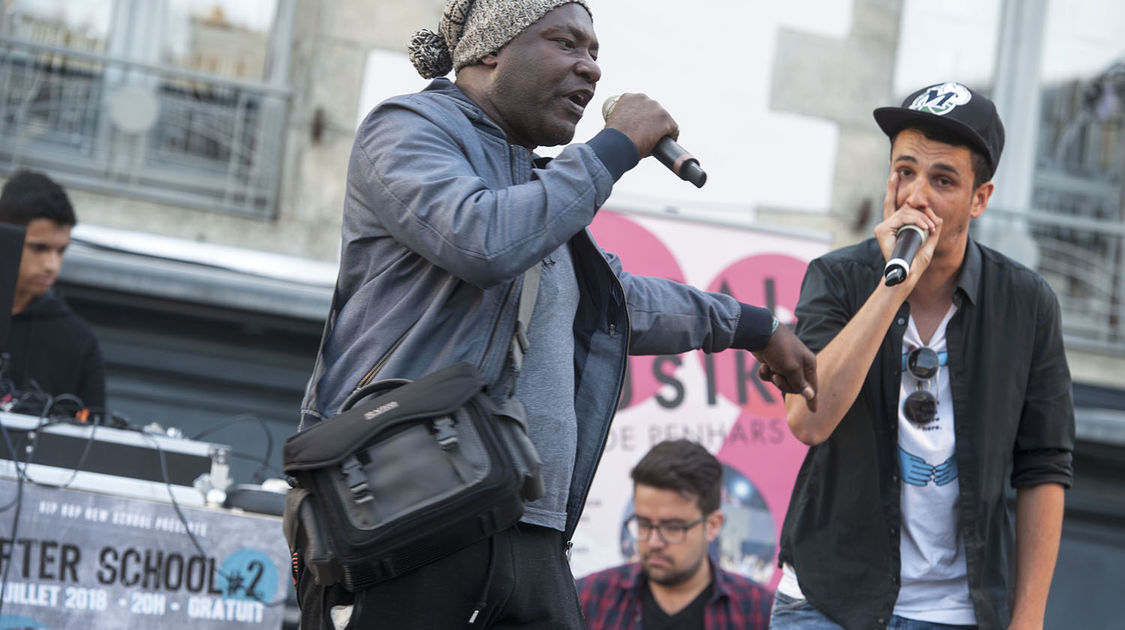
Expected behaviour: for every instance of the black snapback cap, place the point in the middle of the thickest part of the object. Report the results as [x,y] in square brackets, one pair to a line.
[953,107]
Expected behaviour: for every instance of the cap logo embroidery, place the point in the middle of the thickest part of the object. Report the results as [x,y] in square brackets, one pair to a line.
[942,99]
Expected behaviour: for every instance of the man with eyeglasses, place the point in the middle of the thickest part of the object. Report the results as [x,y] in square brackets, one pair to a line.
[935,395]
[675,584]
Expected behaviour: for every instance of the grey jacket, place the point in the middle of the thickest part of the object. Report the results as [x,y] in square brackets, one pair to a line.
[442,216]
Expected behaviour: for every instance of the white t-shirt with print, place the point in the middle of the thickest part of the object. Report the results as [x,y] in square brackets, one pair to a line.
[934,580]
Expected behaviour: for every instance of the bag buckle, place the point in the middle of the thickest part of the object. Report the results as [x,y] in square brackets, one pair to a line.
[445,432]
[356,479]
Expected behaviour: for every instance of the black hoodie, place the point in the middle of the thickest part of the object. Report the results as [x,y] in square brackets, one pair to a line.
[54,351]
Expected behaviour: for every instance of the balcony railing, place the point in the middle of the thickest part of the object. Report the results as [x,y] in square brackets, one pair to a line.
[144,130]
[1081,259]
[1078,200]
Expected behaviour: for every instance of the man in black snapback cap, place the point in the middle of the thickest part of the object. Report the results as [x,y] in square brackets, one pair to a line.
[935,394]
[955,108]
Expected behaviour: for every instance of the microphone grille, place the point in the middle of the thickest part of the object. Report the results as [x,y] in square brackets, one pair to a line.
[608,105]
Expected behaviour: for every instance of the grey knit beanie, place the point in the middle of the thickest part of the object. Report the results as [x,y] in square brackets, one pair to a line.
[471,29]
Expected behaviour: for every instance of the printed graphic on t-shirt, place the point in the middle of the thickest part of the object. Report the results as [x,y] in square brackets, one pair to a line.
[933,575]
[917,472]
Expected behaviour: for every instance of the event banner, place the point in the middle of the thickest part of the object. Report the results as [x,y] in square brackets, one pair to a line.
[77,560]
[716,400]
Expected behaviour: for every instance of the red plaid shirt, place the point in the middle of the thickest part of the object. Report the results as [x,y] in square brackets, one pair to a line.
[611,600]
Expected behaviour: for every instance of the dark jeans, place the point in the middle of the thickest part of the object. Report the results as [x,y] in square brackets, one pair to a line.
[798,614]
[531,588]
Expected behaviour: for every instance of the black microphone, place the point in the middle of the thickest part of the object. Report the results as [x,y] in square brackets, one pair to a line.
[908,241]
[669,152]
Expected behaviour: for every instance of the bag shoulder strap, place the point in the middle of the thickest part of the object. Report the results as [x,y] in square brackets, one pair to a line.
[528,296]
[518,346]
[318,367]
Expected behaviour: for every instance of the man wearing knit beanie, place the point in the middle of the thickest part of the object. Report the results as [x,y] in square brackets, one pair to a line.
[447,211]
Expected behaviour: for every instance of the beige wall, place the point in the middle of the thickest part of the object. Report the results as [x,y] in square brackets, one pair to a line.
[842,81]
[832,79]
[331,42]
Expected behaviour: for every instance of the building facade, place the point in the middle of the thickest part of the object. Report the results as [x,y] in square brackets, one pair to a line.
[205,143]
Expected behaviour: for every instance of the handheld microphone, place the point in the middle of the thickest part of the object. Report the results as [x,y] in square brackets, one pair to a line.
[669,152]
[908,241]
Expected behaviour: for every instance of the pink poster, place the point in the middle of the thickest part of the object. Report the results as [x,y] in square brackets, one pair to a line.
[716,400]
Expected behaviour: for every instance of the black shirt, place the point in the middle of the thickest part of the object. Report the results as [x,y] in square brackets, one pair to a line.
[689,618]
[1013,420]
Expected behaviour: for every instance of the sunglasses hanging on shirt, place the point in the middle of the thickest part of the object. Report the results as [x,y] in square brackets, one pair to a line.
[920,407]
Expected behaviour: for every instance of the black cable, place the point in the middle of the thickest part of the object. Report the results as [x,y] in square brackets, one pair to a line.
[15,462]
[44,421]
[187,527]
[74,470]
[19,508]
[15,527]
[61,398]
[265,465]
[21,475]
[118,420]
[258,475]
[37,393]
[23,403]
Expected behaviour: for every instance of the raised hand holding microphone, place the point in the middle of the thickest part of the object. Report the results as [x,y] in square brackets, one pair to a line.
[639,117]
[906,229]
[908,241]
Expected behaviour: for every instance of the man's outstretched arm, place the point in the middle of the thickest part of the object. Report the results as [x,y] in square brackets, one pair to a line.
[790,365]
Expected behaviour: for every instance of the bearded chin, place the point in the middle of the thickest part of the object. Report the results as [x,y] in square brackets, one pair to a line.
[673,578]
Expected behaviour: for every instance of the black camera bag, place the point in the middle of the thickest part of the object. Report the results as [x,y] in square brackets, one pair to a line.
[422,469]
[406,478]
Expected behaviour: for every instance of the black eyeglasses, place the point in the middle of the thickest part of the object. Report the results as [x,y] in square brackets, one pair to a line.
[920,407]
[670,532]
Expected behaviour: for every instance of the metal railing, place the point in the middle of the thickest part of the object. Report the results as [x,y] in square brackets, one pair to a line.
[210,142]
[1082,261]
[1078,198]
